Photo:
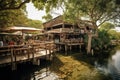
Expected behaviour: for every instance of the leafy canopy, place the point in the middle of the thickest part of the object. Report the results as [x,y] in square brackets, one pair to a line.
[107,26]
[93,11]
[34,23]
[12,17]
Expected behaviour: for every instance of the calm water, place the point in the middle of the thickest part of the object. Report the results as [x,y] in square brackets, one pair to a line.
[27,71]
[111,66]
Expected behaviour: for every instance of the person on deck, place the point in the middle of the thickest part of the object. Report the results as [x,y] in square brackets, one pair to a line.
[11,42]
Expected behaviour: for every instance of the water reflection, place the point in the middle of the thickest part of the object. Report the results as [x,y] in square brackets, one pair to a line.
[27,71]
[44,74]
[112,67]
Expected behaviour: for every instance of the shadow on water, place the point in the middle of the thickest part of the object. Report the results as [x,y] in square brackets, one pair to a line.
[26,71]
[55,67]
[106,64]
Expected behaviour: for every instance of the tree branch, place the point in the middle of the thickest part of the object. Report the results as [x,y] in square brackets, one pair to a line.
[13,7]
[108,18]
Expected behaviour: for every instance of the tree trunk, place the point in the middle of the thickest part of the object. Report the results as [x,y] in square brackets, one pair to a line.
[89,43]
[90,36]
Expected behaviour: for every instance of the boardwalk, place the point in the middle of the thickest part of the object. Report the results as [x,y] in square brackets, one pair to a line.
[11,55]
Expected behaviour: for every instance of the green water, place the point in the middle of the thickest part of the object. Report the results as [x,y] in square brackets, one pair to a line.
[74,66]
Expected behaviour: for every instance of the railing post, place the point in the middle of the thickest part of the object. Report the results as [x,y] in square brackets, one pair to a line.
[28,52]
[13,64]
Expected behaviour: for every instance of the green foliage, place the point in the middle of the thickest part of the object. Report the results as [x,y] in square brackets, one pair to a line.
[47,4]
[114,35]
[17,18]
[102,41]
[34,23]
[95,13]
[95,10]
[47,17]
[12,4]
[107,26]
[12,17]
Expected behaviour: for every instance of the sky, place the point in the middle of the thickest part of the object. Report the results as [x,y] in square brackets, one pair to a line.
[33,13]
[36,14]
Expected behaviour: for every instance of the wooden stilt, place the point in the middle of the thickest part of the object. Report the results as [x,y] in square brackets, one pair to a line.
[36,61]
[70,47]
[15,55]
[65,49]
[13,64]
[92,51]
[49,55]
[60,47]
[14,67]
[28,53]
[80,47]
[33,53]
[12,58]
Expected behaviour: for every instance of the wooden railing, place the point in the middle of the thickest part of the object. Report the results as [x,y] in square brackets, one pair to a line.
[16,53]
[80,40]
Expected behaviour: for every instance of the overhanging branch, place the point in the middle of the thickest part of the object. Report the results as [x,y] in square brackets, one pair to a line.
[6,7]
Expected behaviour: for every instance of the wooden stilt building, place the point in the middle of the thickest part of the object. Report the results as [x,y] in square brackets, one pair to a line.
[64,34]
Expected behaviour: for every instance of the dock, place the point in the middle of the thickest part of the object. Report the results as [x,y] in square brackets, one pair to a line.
[14,54]
[68,45]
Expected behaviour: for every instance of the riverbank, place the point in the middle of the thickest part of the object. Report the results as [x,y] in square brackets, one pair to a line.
[76,67]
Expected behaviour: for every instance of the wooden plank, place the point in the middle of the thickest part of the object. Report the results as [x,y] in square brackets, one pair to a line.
[23,57]
[18,55]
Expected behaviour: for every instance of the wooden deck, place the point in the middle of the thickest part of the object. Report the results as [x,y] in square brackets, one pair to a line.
[23,57]
[14,54]
[68,45]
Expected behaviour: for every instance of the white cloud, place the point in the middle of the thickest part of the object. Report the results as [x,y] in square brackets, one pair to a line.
[36,14]
[33,13]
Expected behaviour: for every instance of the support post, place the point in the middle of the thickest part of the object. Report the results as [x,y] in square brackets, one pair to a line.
[13,64]
[36,61]
[28,53]
[65,49]
[14,67]
[60,47]
[33,52]
[70,47]
[92,51]
[80,47]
